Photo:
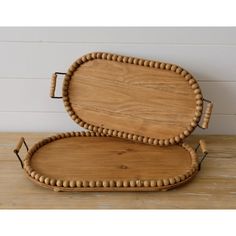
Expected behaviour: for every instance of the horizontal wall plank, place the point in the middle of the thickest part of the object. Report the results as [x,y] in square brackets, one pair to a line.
[61,122]
[155,35]
[39,60]
[33,95]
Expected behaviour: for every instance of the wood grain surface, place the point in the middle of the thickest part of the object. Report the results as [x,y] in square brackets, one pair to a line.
[213,187]
[95,163]
[161,105]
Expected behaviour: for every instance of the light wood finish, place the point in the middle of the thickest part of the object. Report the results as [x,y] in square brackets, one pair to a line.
[203,146]
[53,85]
[213,187]
[75,162]
[164,107]
[19,145]
[207,115]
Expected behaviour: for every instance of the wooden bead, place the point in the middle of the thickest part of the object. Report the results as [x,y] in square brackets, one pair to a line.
[130,60]
[52,182]
[85,183]
[109,132]
[151,63]
[172,180]
[109,56]
[178,70]
[130,136]
[37,176]
[162,65]
[32,174]
[114,133]
[104,56]
[146,183]
[160,182]
[172,140]
[177,139]
[141,62]
[138,183]
[112,183]
[177,179]
[132,183]
[119,58]
[65,183]
[150,141]
[182,136]
[145,139]
[173,68]
[182,177]
[140,138]
[41,179]
[166,142]
[161,142]
[184,73]
[146,63]
[194,86]
[186,133]
[124,135]
[98,183]
[47,180]
[59,183]
[188,77]
[92,184]
[78,183]
[88,57]
[155,142]
[135,61]
[119,183]
[168,66]
[99,55]
[105,184]
[126,183]
[157,64]
[166,182]
[192,81]
[198,96]
[114,57]
[153,183]
[119,134]
[100,129]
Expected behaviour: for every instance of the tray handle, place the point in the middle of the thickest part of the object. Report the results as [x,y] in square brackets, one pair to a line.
[202,145]
[18,147]
[54,83]
[207,115]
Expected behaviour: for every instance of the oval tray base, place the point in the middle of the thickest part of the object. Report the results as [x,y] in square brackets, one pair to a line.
[87,161]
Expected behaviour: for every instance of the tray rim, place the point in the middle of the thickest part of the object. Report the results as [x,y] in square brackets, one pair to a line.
[106,184]
[140,62]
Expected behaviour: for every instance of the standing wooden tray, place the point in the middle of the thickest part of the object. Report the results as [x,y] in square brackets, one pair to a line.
[136,99]
[88,161]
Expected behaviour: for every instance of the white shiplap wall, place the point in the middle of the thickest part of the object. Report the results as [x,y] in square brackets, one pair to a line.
[28,56]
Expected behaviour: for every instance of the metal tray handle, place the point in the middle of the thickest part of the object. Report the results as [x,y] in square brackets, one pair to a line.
[207,114]
[54,83]
[18,147]
[202,145]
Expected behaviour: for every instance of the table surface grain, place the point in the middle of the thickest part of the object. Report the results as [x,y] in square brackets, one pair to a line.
[213,188]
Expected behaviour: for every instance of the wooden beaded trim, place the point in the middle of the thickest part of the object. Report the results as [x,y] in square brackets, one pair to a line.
[136,61]
[107,184]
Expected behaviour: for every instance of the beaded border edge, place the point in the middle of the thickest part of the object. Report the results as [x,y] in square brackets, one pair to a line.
[141,62]
[105,185]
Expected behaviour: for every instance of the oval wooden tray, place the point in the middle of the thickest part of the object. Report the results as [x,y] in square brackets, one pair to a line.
[141,100]
[88,161]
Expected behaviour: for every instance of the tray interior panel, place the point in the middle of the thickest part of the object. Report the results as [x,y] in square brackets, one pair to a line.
[95,158]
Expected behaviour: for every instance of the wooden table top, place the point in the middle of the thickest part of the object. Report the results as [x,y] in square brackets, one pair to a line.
[214,186]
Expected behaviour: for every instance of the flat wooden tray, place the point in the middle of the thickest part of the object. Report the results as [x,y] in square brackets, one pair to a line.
[141,100]
[88,161]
